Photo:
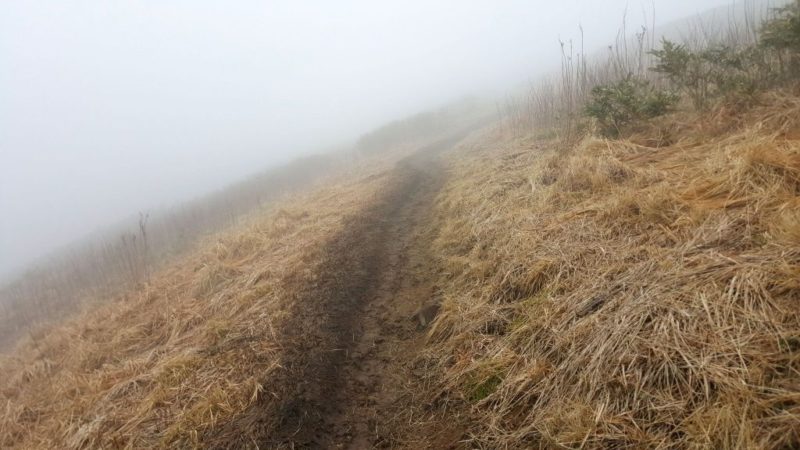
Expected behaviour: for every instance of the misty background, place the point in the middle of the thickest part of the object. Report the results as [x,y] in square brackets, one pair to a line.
[110,108]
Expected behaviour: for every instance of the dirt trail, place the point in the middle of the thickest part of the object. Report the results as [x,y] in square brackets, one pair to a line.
[376,371]
[351,336]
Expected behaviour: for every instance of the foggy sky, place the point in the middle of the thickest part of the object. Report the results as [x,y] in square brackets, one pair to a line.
[112,107]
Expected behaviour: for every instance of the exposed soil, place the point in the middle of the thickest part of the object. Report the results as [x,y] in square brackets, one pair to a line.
[350,340]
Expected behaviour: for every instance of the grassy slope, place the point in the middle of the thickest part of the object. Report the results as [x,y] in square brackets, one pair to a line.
[619,295]
[191,350]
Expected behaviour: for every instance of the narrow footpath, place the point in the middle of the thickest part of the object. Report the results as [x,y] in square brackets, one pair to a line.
[352,336]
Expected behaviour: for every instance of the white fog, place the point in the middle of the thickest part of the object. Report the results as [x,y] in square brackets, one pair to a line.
[110,108]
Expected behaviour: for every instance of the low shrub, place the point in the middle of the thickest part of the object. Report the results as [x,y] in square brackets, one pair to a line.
[625,103]
[723,72]
[782,36]
[715,72]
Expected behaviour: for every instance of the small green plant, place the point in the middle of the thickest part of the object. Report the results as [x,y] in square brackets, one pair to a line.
[483,389]
[625,103]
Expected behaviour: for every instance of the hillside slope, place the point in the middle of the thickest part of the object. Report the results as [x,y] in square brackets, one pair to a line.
[637,293]
[480,291]
[269,336]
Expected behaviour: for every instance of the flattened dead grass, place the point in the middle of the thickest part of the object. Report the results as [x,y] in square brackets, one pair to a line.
[618,295]
[169,362]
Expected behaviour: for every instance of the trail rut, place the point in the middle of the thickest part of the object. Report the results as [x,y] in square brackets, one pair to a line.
[350,337]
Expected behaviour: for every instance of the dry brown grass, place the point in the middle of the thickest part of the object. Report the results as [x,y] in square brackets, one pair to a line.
[619,295]
[166,364]
[638,293]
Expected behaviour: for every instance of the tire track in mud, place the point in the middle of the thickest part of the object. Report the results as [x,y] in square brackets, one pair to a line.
[341,337]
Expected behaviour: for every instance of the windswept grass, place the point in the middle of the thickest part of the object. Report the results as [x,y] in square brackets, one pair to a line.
[176,359]
[636,292]
[623,295]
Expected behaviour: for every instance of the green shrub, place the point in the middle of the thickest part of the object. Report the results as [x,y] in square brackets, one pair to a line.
[626,103]
[782,36]
[783,31]
[682,68]
[724,72]
[704,76]
[712,73]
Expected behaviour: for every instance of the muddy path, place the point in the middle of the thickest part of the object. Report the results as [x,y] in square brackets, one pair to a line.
[352,332]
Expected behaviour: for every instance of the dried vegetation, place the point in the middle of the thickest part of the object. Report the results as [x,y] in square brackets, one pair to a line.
[186,353]
[636,292]
[632,293]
